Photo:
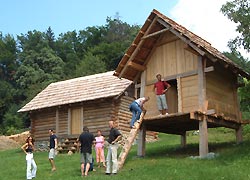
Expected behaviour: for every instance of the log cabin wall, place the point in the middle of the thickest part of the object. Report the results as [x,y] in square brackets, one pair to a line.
[172,59]
[41,122]
[124,115]
[222,93]
[62,121]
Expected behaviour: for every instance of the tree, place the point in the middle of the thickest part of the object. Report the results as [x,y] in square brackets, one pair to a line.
[238,12]
[90,65]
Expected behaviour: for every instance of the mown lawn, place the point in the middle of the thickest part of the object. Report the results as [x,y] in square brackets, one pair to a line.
[164,160]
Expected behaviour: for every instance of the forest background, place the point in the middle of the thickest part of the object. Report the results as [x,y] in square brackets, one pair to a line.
[31,61]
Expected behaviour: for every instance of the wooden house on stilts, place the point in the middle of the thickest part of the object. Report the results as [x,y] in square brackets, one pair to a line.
[204,82]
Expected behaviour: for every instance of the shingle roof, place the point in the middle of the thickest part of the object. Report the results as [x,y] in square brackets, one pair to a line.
[135,59]
[78,90]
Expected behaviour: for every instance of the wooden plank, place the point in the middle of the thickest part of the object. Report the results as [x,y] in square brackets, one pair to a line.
[178,34]
[57,120]
[136,66]
[155,33]
[203,138]
[201,84]
[129,141]
[137,48]
[179,90]
[141,141]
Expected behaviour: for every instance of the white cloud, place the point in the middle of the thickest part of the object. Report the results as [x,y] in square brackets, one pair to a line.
[204,18]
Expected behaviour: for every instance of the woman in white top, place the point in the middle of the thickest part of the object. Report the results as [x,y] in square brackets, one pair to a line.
[136,108]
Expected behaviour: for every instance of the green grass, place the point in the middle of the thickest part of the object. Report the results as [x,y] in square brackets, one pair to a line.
[164,160]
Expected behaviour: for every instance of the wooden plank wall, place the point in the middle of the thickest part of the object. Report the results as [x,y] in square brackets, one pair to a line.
[62,121]
[189,92]
[220,93]
[42,121]
[170,58]
[96,115]
[124,115]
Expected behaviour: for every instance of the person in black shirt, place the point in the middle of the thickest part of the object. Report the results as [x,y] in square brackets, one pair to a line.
[52,147]
[28,149]
[86,139]
[114,136]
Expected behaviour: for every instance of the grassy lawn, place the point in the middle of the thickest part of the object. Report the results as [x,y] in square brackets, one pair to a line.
[164,160]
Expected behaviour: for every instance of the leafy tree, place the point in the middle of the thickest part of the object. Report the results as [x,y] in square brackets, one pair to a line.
[90,65]
[238,12]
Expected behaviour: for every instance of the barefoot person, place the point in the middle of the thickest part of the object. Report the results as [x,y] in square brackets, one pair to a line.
[28,149]
[136,107]
[52,147]
[160,88]
[99,149]
[86,139]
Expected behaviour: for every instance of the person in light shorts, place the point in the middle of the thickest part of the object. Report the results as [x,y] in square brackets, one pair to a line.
[52,147]
[160,88]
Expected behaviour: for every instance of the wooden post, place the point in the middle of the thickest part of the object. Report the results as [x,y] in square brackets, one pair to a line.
[179,91]
[239,137]
[141,141]
[143,83]
[183,140]
[57,120]
[203,145]
[69,121]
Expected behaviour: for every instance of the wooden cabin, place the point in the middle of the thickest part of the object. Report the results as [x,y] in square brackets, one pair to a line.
[204,82]
[91,101]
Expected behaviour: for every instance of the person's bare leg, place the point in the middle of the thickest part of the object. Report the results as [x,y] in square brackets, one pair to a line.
[87,169]
[82,169]
[53,166]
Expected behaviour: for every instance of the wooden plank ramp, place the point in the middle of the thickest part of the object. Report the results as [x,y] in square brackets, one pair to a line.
[129,141]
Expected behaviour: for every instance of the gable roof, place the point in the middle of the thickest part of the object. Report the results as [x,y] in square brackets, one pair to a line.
[76,90]
[135,59]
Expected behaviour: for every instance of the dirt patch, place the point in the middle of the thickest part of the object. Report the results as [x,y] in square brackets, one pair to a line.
[13,141]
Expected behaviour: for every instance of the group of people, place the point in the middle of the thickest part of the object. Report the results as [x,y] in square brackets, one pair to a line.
[87,139]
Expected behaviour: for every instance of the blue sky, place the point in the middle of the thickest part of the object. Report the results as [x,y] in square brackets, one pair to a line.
[20,16]
[202,17]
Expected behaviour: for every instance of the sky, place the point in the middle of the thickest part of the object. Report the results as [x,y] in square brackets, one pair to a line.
[202,17]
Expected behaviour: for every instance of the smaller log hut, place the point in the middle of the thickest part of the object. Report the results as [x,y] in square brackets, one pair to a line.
[91,101]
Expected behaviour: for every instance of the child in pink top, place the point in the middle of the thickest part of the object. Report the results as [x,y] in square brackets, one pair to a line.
[99,149]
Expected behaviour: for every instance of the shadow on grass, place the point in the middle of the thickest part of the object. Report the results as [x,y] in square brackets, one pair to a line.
[225,150]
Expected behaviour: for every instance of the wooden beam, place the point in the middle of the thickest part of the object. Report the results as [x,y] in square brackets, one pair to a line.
[239,137]
[57,120]
[69,121]
[137,48]
[179,92]
[141,141]
[209,69]
[201,84]
[143,84]
[136,66]
[203,136]
[184,140]
[178,34]
[180,75]
[210,112]
[155,33]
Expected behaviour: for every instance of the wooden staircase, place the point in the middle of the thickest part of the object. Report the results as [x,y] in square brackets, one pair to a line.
[129,141]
